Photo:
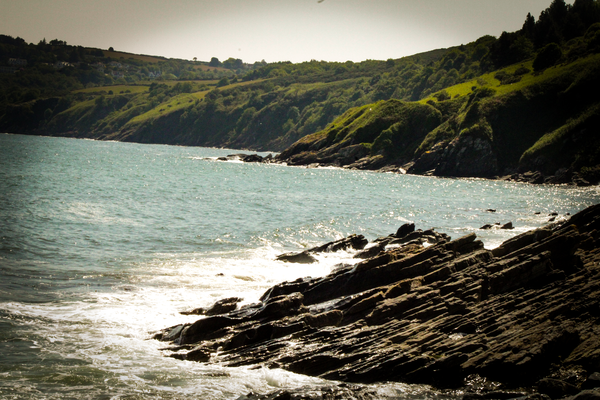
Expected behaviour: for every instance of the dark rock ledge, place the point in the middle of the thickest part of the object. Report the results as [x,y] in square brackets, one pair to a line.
[521,320]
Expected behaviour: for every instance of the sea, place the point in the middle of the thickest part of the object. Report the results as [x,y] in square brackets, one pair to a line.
[102,244]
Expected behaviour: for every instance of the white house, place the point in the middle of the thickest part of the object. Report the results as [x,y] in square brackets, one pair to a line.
[17,62]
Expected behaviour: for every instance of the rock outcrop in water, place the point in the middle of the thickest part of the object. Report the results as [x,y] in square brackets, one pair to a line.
[448,313]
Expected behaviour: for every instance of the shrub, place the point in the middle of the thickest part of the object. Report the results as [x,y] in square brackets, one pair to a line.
[442,95]
[522,71]
[547,57]
[223,82]
[485,92]
[592,30]
[506,78]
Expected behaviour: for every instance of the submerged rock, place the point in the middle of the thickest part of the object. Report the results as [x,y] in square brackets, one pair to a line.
[438,314]
[220,307]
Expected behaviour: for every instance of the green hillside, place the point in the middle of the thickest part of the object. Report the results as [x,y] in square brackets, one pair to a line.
[547,121]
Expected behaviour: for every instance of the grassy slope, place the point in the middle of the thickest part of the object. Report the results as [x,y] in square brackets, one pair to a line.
[390,128]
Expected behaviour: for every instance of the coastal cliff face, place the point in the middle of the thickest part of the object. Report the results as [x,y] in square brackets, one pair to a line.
[547,129]
[421,308]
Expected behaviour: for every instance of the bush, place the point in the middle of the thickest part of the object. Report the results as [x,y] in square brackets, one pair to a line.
[223,82]
[592,30]
[442,95]
[522,71]
[547,57]
[506,78]
[484,92]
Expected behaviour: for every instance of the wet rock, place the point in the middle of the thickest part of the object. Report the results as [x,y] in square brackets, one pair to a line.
[252,158]
[498,225]
[490,226]
[556,388]
[224,306]
[371,251]
[197,354]
[220,307]
[304,257]
[248,158]
[356,242]
[195,311]
[405,230]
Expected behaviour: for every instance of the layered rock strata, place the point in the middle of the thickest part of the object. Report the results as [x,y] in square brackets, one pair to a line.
[433,310]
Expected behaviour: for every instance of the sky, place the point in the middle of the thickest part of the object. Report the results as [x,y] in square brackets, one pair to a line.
[271,30]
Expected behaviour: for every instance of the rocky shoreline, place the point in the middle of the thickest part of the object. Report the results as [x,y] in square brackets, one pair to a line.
[564,176]
[518,321]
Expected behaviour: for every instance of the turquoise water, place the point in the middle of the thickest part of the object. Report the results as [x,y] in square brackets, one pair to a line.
[102,243]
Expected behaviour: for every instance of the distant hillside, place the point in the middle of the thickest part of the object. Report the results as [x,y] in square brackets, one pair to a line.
[505,94]
[122,55]
[546,122]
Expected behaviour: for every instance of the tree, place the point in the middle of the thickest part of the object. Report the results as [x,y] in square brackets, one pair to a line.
[481,50]
[111,49]
[521,48]
[558,11]
[233,63]
[223,82]
[195,59]
[588,11]
[529,27]
[214,62]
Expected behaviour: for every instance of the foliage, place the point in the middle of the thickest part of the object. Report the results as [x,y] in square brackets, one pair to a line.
[547,57]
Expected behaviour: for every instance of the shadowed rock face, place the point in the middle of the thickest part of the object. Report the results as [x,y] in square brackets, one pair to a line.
[525,311]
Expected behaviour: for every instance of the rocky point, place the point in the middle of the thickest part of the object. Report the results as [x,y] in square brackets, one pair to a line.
[521,320]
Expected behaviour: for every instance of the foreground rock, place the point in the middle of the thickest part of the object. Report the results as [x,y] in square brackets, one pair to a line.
[524,315]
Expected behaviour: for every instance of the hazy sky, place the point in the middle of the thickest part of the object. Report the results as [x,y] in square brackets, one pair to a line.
[273,30]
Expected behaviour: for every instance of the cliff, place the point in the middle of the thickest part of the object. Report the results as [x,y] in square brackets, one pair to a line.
[544,124]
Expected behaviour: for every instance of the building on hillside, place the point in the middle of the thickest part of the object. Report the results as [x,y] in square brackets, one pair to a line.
[98,66]
[17,62]
[62,64]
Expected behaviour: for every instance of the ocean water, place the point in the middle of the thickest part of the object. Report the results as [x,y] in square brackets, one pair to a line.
[104,243]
